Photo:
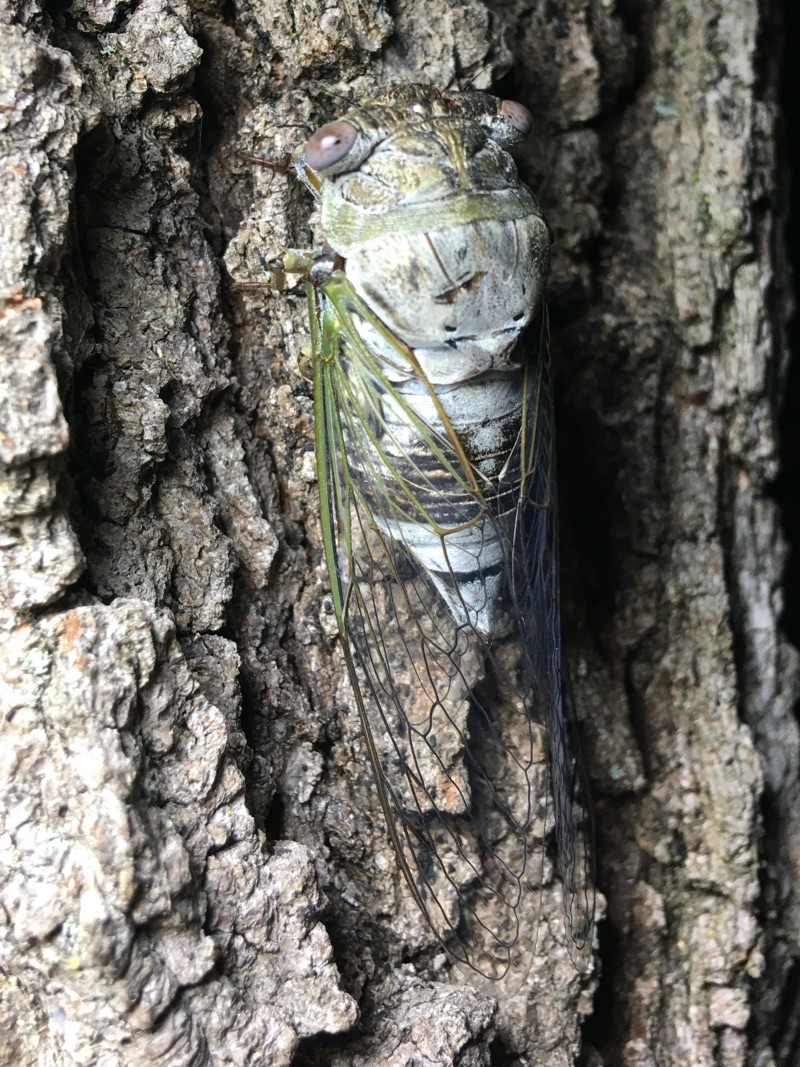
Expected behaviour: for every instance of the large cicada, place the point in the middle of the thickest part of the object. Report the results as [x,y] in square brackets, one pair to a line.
[434,442]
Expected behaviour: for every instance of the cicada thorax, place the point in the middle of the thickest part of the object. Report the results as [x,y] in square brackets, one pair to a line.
[443,242]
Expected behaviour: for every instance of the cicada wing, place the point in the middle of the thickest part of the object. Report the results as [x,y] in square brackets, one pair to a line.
[459,766]
[535,583]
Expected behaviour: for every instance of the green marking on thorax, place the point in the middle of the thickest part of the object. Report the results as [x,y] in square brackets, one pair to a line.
[348,226]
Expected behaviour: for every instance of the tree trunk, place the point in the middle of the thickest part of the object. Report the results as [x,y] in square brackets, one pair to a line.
[194,866]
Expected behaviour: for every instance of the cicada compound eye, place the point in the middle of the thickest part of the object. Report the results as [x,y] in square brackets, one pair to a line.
[517,115]
[329,144]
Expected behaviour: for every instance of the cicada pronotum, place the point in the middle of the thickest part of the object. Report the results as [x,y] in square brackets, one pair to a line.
[434,443]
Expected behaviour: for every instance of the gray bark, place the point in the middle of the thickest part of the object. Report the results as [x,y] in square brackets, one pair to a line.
[187,821]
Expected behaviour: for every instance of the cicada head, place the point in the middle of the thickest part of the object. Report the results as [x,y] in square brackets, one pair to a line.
[343,145]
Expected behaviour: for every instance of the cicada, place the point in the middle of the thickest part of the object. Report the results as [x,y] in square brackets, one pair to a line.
[434,446]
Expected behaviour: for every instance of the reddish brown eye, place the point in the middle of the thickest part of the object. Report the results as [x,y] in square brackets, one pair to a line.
[329,144]
[518,115]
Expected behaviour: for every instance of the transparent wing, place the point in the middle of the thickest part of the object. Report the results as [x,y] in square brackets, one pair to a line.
[420,547]
[535,585]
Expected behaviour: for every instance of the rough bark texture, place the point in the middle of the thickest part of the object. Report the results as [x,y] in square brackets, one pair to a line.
[188,831]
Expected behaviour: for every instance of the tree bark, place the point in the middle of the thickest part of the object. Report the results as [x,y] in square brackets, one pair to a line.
[193,866]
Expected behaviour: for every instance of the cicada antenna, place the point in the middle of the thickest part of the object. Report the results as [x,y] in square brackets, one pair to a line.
[462,82]
[283,163]
[325,90]
[277,166]
[344,99]
[457,82]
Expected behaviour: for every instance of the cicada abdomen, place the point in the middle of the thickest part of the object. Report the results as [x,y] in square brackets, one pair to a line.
[435,457]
